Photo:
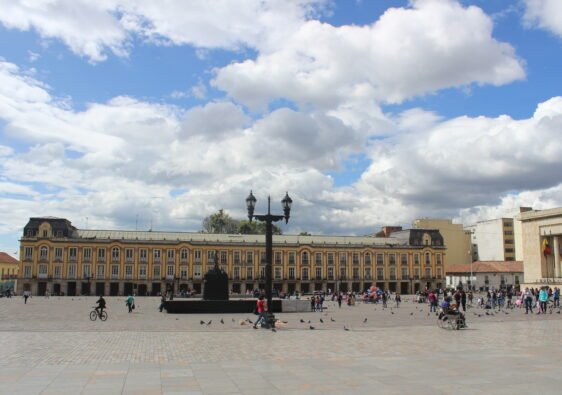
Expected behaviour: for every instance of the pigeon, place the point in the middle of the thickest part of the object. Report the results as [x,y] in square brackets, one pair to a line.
[209,323]
[201,322]
[321,320]
[412,313]
[222,321]
[309,321]
[331,319]
[273,330]
[392,312]
[310,327]
[558,312]
[487,313]
[345,328]
[365,320]
[302,321]
[479,315]
[177,319]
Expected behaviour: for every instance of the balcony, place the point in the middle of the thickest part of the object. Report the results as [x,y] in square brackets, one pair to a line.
[42,275]
[100,276]
[183,261]
[43,259]
[171,260]
[143,260]
[87,259]
[115,276]
[101,259]
[128,276]
[142,276]
[129,260]
[27,258]
[115,259]
[157,260]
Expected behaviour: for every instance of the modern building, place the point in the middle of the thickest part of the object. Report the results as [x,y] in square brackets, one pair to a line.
[541,266]
[58,258]
[8,272]
[456,238]
[486,275]
[493,240]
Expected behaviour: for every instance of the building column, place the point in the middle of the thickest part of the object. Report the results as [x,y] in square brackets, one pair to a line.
[556,257]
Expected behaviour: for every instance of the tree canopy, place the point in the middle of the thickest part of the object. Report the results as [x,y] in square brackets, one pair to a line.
[221,222]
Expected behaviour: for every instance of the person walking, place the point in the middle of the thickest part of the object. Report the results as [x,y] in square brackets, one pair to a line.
[130,303]
[25,296]
[556,297]
[528,297]
[543,298]
[339,299]
[162,302]
[463,300]
[432,298]
[398,299]
[261,307]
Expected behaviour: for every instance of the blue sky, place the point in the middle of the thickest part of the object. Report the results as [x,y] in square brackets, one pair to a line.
[368,112]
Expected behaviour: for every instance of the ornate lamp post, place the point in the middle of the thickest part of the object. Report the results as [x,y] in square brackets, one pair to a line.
[269,219]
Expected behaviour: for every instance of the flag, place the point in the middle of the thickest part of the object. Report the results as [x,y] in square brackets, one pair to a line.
[546,250]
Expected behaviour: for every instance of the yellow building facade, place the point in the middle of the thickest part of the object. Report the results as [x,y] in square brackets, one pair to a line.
[9,267]
[57,258]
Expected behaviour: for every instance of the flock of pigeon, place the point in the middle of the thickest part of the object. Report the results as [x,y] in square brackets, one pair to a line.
[420,311]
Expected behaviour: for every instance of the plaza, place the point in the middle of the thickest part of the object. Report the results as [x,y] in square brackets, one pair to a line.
[49,346]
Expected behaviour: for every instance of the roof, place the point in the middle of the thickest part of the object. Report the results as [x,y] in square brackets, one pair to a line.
[540,214]
[233,238]
[487,267]
[5,258]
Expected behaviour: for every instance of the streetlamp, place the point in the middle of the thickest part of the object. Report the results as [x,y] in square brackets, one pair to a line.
[269,219]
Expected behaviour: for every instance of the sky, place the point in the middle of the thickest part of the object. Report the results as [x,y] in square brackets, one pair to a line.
[131,114]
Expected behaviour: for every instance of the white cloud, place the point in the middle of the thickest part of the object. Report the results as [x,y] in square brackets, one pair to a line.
[407,52]
[32,56]
[546,14]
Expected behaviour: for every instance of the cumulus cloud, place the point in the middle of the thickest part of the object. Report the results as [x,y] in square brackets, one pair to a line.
[545,14]
[407,52]
[92,29]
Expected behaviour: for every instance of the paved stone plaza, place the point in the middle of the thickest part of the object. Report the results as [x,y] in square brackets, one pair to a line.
[50,346]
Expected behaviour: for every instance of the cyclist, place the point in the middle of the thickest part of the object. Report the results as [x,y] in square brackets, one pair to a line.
[101,305]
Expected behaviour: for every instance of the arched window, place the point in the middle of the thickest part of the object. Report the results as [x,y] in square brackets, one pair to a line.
[43,253]
[304,258]
[115,254]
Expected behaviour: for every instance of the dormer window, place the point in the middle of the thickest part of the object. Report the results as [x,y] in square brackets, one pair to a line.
[45,233]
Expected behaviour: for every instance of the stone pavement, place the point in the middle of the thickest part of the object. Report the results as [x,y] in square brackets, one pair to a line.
[50,346]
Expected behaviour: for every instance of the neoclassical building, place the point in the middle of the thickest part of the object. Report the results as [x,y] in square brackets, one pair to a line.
[58,258]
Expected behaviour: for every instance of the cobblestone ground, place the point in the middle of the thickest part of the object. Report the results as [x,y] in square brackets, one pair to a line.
[49,346]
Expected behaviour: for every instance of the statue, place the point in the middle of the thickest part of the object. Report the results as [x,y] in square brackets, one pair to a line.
[215,283]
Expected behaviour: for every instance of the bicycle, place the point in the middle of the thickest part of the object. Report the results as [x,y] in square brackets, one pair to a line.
[94,315]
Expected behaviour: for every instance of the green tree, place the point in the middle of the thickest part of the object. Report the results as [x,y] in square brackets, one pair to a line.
[220,222]
[304,234]
[255,228]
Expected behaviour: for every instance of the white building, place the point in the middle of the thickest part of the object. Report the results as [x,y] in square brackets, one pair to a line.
[486,275]
[493,240]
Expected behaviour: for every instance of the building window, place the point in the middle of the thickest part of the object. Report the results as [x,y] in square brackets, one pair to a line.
[197,271]
[43,253]
[183,272]
[292,257]
[210,256]
[262,272]
[330,258]
[45,233]
[427,258]
[392,274]
[342,273]
[129,271]
[291,273]
[156,272]
[404,273]
[58,254]
[197,255]
[278,273]
[367,259]
[86,271]
[304,258]
[57,271]
[305,273]
[427,272]
[223,258]
[392,259]
[404,259]
[143,255]
[101,254]
[87,252]
[380,259]
[318,258]
[129,255]
[355,258]
[42,271]
[171,254]
[72,254]
[30,233]
[115,254]
[439,274]
[249,273]
[249,257]
[367,273]
[318,273]
[183,255]
[27,271]
[236,257]
[142,271]
[262,258]
[114,271]
[416,259]
[343,258]
[380,273]
[170,272]
[278,256]
[72,271]
[416,273]
[330,273]
[101,271]
[438,259]
[237,272]
[508,232]
[157,255]
[356,273]
[28,253]
[509,250]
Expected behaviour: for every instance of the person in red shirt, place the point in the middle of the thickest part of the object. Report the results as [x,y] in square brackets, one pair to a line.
[261,308]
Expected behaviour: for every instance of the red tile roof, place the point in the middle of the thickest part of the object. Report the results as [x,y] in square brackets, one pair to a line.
[487,267]
[5,258]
